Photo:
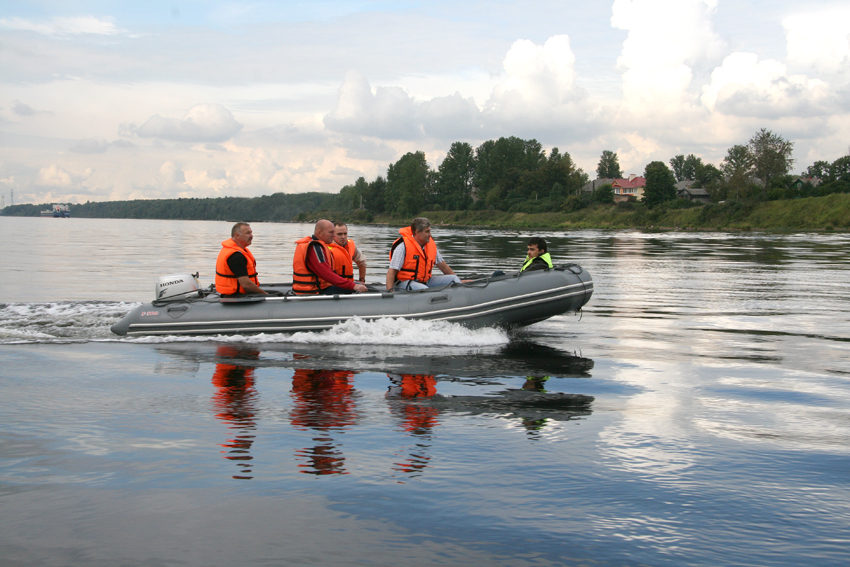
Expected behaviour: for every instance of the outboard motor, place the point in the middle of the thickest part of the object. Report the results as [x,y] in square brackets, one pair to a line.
[174,286]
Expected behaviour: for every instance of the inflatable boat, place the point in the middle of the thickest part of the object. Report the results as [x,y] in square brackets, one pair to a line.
[503,300]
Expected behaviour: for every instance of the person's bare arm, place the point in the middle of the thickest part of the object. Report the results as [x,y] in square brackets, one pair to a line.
[361,266]
[391,274]
[249,286]
[445,268]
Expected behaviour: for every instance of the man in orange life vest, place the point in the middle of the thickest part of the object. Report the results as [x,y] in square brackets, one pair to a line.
[345,252]
[313,265]
[236,268]
[412,258]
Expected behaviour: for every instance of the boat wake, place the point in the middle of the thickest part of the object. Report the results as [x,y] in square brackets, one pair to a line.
[84,321]
[60,322]
[392,331]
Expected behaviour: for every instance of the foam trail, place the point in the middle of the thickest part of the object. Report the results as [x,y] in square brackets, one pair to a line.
[83,321]
[391,331]
[60,322]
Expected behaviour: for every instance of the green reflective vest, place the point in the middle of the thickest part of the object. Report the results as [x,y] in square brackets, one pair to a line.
[545,257]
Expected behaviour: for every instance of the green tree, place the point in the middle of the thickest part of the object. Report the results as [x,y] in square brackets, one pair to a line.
[604,194]
[840,169]
[737,160]
[455,176]
[677,164]
[660,184]
[501,166]
[373,199]
[408,182]
[820,170]
[692,164]
[609,166]
[771,156]
[685,168]
[558,168]
[706,174]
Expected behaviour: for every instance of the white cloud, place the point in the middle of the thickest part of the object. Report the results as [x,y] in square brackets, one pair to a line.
[346,171]
[745,86]
[90,146]
[22,109]
[171,174]
[56,176]
[358,147]
[666,39]
[451,117]
[539,73]
[64,25]
[203,123]
[388,112]
[819,40]
[539,97]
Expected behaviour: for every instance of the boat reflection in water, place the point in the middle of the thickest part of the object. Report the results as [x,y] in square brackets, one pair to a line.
[417,420]
[235,403]
[324,402]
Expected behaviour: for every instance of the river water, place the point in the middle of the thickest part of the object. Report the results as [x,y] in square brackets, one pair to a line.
[697,412]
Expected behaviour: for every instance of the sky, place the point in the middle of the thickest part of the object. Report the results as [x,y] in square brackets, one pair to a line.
[103,100]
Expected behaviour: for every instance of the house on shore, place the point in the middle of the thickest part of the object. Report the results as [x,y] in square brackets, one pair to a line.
[799,182]
[623,188]
[631,187]
[686,190]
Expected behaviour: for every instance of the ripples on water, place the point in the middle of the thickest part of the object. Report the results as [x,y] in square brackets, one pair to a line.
[695,413]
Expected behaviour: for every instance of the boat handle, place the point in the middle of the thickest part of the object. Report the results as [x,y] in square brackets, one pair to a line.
[438,299]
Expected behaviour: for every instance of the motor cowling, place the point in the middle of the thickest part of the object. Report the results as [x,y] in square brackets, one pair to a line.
[177,285]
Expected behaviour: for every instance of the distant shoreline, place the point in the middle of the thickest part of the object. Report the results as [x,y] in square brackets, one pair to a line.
[830,213]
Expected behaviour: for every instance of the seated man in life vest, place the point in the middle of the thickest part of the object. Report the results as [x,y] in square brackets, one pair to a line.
[538,258]
[412,258]
[313,265]
[345,252]
[236,268]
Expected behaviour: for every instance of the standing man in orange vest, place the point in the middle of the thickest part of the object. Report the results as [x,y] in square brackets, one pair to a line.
[313,265]
[345,252]
[236,268]
[412,258]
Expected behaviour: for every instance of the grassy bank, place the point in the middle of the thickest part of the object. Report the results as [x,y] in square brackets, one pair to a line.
[811,214]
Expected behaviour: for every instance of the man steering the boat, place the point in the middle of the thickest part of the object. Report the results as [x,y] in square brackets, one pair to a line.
[313,265]
[413,257]
[236,268]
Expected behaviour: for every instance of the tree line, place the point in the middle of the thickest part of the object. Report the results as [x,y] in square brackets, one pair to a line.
[510,175]
[759,170]
[275,207]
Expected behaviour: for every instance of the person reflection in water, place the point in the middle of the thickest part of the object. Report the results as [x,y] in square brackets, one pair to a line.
[324,402]
[417,419]
[235,400]
[534,426]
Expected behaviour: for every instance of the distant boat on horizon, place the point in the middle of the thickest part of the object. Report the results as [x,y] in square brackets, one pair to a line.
[58,211]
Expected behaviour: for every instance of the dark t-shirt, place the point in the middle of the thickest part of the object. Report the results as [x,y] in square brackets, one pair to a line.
[238,264]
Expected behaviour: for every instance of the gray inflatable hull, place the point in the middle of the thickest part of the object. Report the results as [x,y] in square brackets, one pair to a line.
[511,300]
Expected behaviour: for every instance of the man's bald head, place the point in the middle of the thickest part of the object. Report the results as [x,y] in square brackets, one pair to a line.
[324,231]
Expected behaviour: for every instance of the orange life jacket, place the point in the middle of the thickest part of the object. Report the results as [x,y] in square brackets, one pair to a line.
[305,282]
[226,282]
[343,257]
[418,263]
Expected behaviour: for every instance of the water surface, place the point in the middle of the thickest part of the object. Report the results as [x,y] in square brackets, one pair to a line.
[695,412]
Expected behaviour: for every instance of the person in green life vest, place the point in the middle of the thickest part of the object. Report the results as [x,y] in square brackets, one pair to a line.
[538,257]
